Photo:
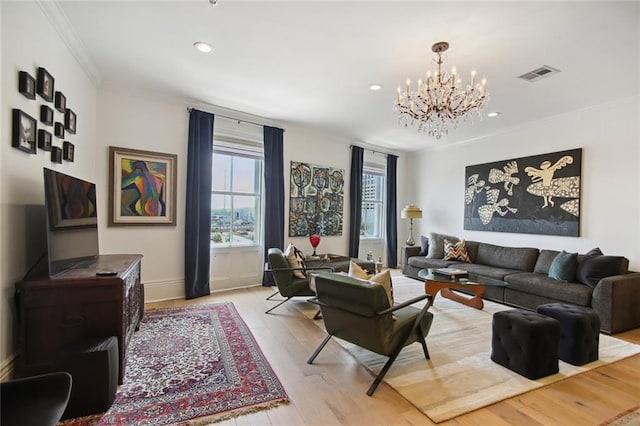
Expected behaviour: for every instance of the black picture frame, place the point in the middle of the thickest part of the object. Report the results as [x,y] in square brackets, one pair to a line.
[58,130]
[25,129]
[538,194]
[60,102]
[46,115]
[56,154]
[70,120]
[26,85]
[68,151]
[44,140]
[45,83]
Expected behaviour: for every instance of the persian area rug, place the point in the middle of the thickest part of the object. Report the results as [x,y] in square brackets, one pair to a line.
[460,376]
[630,417]
[189,366]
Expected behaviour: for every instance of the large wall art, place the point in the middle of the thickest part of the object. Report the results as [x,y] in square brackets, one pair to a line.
[316,200]
[530,195]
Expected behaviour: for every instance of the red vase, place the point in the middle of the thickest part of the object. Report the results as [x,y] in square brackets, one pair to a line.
[314,239]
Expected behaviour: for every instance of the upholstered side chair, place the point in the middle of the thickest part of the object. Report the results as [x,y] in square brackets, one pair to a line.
[288,284]
[359,312]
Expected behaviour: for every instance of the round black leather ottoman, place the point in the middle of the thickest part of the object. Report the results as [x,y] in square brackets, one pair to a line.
[579,331]
[525,342]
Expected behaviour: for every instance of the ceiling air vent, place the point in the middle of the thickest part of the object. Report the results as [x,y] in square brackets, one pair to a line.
[540,73]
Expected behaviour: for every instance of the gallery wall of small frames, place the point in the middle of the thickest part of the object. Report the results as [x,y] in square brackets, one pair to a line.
[57,120]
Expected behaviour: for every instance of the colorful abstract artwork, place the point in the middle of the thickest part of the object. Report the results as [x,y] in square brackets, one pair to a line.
[531,195]
[143,187]
[316,200]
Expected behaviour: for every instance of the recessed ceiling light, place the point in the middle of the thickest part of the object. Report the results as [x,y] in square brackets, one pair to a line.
[493,114]
[202,46]
[375,86]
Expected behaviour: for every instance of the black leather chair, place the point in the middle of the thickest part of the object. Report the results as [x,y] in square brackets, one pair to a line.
[288,284]
[359,312]
[34,401]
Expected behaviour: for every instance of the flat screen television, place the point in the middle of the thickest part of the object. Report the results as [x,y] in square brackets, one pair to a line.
[72,221]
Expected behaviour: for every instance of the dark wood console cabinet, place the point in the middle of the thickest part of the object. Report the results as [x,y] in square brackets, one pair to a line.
[77,304]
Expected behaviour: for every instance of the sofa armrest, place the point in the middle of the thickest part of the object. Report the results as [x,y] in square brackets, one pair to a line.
[616,300]
[408,251]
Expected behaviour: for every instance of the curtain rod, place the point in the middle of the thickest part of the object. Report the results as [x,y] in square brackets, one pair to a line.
[371,150]
[239,120]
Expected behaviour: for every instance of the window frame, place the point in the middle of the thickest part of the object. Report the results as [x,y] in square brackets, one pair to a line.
[379,171]
[242,149]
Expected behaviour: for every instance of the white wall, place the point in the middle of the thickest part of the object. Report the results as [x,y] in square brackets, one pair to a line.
[610,206]
[153,122]
[28,41]
[147,122]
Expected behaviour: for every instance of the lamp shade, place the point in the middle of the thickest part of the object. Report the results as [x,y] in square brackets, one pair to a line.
[411,212]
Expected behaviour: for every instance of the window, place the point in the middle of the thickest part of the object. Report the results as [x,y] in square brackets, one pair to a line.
[236,196]
[373,180]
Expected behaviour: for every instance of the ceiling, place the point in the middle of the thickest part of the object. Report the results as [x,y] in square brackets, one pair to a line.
[311,63]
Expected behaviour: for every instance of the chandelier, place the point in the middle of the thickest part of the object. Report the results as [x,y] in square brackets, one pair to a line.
[440,100]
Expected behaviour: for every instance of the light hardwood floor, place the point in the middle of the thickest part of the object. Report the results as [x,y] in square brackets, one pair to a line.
[332,391]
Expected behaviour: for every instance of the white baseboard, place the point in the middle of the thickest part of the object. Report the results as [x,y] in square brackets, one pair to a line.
[158,291]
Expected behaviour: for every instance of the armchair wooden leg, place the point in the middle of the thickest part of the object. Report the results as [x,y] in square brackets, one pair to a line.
[318,349]
[277,305]
[421,340]
[383,372]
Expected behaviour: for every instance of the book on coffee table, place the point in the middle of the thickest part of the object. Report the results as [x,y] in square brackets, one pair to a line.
[451,272]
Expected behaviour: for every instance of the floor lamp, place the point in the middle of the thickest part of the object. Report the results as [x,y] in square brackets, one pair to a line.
[411,212]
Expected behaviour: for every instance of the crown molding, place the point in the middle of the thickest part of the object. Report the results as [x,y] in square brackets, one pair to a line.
[59,20]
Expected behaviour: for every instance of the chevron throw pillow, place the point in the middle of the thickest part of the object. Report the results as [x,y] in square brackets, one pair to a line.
[456,251]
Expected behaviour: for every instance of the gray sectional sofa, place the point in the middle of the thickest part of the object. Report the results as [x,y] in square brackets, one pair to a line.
[615,298]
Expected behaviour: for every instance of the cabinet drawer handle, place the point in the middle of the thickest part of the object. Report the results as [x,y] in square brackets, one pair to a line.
[72,321]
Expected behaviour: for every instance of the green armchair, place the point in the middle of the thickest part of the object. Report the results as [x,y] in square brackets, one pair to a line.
[359,312]
[288,284]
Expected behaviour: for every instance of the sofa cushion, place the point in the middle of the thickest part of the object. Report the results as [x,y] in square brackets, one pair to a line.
[543,263]
[472,250]
[425,262]
[542,285]
[485,271]
[518,258]
[593,268]
[424,246]
[563,267]
[456,251]
[436,245]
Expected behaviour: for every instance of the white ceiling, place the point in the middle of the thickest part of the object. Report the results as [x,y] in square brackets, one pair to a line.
[311,62]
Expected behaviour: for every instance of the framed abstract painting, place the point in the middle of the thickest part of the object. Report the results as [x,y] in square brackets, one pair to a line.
[142,187]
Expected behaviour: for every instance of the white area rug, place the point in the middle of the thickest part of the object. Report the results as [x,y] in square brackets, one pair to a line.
[460,376]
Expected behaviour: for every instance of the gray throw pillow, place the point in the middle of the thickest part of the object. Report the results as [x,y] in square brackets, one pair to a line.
[424,246]
[436,245]
[563,267]
[593,268]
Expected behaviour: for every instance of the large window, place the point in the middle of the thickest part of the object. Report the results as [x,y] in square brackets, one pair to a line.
[372,203]
[236,205]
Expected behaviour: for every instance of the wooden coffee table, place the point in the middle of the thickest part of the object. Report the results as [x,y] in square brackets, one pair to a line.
[444,284]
